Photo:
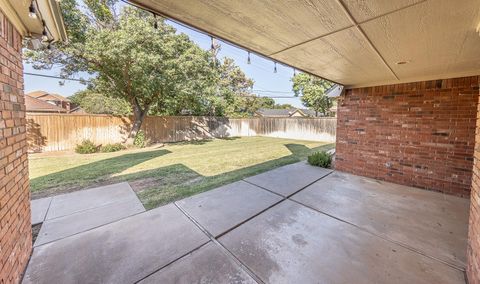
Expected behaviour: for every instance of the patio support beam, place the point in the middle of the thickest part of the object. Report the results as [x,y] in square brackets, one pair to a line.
[362,32]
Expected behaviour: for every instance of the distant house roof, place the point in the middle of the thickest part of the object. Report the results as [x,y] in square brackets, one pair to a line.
[78,110]
[267,112]
[48,96]
[309,112]
[335,91]
[36,105]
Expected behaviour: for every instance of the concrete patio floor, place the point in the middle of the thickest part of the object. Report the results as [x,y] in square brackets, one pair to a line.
[294,224]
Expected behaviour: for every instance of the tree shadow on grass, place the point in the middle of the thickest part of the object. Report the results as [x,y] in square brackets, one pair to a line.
[170,188]
[35,139]
[161,185]
[97,172]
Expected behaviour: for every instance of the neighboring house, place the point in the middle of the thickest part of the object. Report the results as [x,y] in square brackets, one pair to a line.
[54,99]
[78,110]
[295,112]
[333,93]
[267,112]
[34,105]
[310,113]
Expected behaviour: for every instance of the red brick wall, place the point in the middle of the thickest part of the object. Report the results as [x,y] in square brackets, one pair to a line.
[473,254]
[419,134]
[15,224]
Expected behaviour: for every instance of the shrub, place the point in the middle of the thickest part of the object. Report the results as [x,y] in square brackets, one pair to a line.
[112,148]
[86,147]
[320,159]
[140,140]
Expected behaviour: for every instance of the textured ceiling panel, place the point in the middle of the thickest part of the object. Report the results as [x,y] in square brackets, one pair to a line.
[363,10]
[436,38]
[265,26]
[352,42]
[352,62]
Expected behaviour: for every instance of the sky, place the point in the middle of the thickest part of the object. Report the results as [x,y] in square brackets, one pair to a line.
[267,83]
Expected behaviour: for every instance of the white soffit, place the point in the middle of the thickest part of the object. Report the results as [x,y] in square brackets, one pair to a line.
[351,42]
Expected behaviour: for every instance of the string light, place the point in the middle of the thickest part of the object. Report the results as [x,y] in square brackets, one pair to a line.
[32,12]
[212,47]
[201,31]
[155,23]
[44,32]
[275,67]
[248,59]
[294,72]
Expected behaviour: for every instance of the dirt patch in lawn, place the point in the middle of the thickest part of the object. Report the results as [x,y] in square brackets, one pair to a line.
[144,183]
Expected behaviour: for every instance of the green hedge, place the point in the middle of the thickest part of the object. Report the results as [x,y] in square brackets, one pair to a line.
[320,159]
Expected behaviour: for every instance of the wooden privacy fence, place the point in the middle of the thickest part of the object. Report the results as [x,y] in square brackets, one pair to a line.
[56,132]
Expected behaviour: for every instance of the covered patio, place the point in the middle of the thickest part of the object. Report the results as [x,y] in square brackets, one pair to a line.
[401,206]
[297,223]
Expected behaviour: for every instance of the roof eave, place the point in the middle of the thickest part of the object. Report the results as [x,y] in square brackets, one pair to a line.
[49,11]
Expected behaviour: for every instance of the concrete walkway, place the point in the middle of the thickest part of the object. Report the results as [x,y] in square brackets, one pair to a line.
[293,224]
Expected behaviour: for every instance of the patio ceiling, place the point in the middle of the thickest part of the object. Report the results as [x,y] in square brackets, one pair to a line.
[352,42]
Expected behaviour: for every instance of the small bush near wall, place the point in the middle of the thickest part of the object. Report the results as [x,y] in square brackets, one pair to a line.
[112,148]
[86,147]
[320,159]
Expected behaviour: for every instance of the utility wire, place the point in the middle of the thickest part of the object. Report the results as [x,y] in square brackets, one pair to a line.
[84,80]
[56,77]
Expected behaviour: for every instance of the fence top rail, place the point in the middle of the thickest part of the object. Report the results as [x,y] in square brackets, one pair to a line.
[173,116]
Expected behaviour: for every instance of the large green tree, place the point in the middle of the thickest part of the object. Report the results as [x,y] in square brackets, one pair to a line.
[312,91]
[137,58]
[96,103]
[283,106]
[132,56]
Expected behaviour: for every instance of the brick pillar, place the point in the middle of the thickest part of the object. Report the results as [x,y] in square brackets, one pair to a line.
[473,254]
[15,223]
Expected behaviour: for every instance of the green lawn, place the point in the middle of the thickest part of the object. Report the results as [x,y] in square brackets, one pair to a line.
[163,174]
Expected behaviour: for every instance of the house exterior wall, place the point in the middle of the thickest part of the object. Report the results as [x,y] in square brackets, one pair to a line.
[418,134]
[15,224]
[473,251]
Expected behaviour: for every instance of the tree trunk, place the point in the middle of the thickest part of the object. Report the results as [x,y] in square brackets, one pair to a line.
[138,116]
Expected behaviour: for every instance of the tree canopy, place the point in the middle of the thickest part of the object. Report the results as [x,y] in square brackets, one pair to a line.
[138,59]
[96,103]
[312,91]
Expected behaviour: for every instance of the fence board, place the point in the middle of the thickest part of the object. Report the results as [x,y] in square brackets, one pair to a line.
[56,132]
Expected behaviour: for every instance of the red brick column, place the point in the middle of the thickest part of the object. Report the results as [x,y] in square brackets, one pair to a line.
[418,134]
[15,223]
[473,254]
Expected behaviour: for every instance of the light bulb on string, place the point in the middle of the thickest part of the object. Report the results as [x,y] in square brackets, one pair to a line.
[44,32]
[275,67]
[248,58]
[32,12]
[155,23]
